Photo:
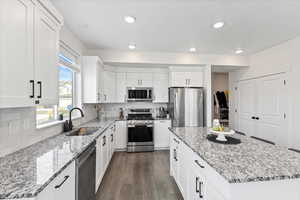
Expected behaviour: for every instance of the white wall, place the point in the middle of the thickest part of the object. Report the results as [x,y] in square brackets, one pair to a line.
[220,82]
[284,57]
[18,126]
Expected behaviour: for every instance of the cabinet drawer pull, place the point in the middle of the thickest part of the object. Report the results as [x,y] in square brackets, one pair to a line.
[198,163]
[32,87]
[65,179]
[40,84]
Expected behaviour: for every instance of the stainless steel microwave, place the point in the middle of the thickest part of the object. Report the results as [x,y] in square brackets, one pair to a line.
[139,94]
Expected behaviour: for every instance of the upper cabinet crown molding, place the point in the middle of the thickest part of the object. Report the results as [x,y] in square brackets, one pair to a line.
[186,68]
[47,5]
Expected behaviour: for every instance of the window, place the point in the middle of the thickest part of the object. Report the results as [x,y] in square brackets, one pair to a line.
[68,73]
[66,90]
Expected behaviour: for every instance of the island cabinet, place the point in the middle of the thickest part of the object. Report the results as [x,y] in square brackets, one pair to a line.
[197,180]
[62,187]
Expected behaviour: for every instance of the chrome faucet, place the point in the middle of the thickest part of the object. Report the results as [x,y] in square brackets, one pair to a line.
[68,125]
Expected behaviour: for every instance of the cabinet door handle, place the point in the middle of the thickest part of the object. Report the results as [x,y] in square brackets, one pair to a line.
[197,181]
[65,179]
[175,155]
[40,85]
[32,87]
[176,140]
[200,190]
[257,118]
[104,140]
[112,137]
[252,117]
[198,163]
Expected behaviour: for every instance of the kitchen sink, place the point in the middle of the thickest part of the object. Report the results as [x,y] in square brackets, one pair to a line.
[83,131]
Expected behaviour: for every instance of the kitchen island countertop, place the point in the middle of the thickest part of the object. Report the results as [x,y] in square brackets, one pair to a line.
[250,161]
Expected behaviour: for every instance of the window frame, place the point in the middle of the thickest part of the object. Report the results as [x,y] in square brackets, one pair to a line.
[74,89]
[64,61]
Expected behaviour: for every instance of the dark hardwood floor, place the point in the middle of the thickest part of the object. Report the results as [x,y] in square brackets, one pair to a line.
[139,176]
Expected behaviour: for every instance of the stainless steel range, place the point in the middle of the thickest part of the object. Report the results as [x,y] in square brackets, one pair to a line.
[140,130]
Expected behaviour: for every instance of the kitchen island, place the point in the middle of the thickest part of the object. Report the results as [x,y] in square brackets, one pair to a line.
[250,170]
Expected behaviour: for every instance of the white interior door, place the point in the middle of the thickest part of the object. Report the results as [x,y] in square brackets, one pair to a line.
[246,113]
[271,106]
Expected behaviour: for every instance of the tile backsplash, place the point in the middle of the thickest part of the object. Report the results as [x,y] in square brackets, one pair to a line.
[113,110]
[18,128]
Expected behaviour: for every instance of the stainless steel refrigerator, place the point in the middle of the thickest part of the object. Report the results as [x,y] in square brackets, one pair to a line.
[186,106]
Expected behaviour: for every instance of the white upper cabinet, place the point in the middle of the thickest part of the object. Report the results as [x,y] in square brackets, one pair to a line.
[186,79]
[109,86]
[136,79]
[46,58]
[29,39]
[16,53]
[160,87]
[120,87]
[92,73]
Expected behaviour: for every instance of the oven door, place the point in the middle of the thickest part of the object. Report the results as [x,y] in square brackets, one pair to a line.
[140,138]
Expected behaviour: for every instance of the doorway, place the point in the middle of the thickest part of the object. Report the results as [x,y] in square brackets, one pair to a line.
[220,97]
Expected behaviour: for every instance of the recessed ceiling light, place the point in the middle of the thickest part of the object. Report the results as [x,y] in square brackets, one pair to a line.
[193,49]
[129,19]
[218,25]
[239,51]
[131,46]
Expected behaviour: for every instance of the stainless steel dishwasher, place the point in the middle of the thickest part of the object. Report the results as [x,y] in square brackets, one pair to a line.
[85,174]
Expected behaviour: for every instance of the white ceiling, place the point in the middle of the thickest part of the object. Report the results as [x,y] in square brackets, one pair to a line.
[177,25]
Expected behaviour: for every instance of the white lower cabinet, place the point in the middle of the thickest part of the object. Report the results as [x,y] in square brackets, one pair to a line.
[62,187]
[105,147]
[162,134]
[179,164]
[121,135]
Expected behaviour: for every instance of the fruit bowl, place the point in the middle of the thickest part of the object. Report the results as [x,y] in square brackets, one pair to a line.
[221,134]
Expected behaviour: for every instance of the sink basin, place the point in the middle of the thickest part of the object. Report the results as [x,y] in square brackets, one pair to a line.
[83,131]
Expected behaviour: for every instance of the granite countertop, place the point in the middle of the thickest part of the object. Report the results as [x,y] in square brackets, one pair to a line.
[27,172]
[249,161]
